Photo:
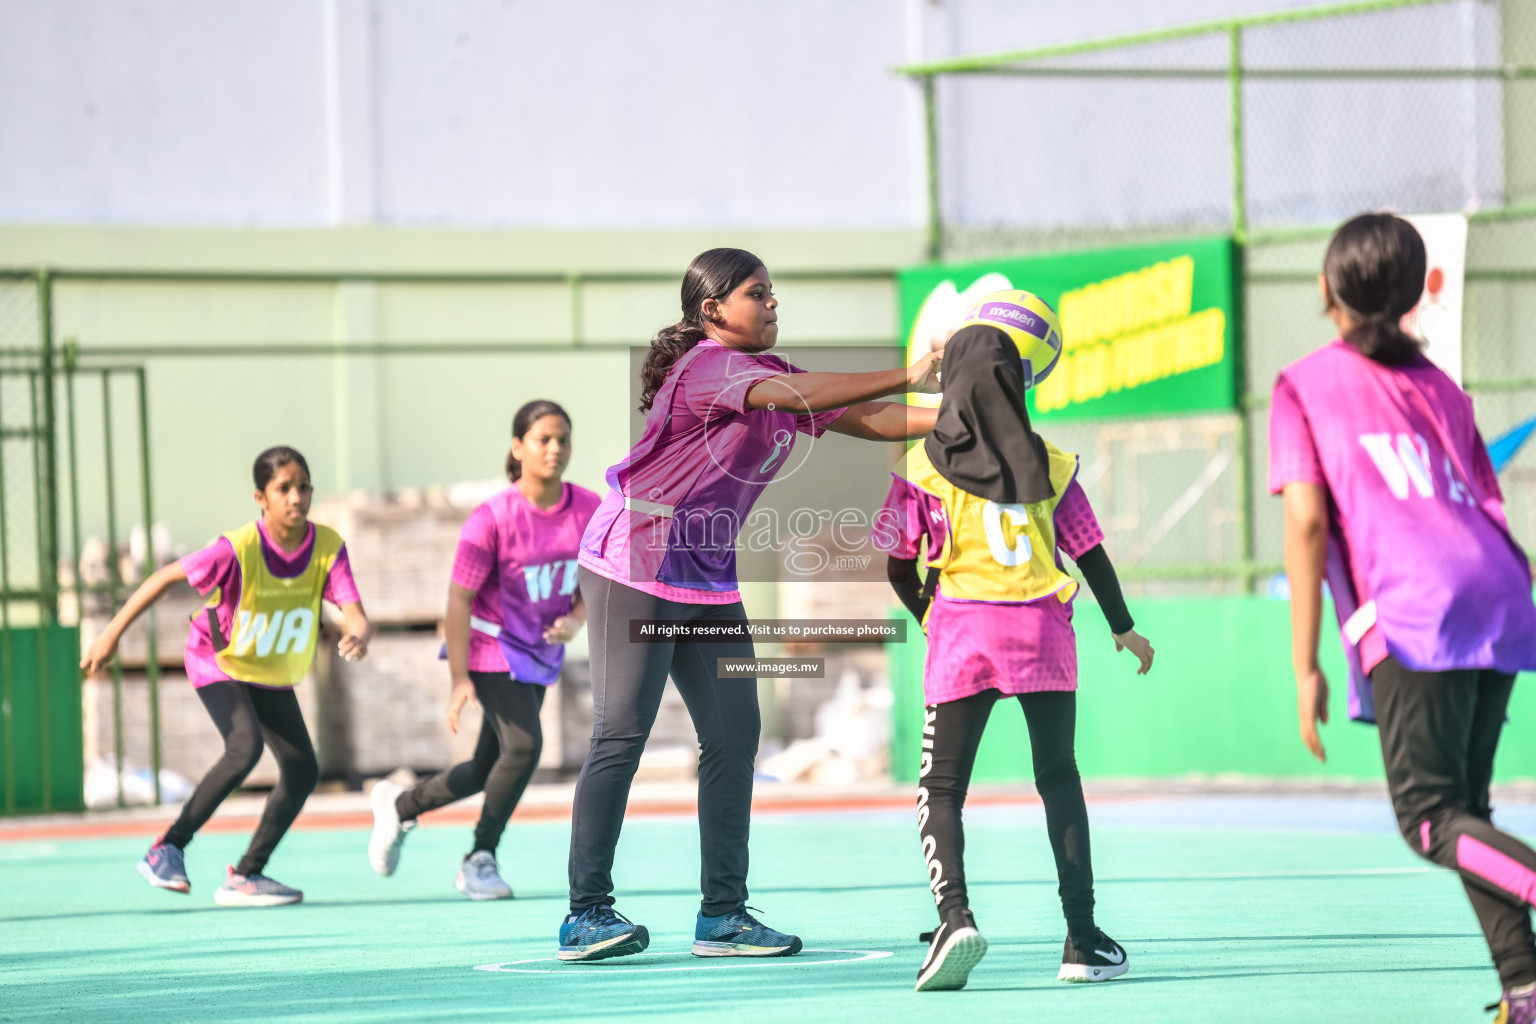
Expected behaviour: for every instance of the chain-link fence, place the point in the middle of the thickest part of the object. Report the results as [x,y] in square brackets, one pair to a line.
[1258,123]
[1272,129]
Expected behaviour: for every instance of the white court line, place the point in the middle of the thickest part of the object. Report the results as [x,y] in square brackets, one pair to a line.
[1259,876]
[574,966]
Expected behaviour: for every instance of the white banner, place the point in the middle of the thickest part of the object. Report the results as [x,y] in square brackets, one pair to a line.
[1437,317]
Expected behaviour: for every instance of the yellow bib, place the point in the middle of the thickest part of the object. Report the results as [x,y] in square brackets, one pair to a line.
[276,623]
[996,552]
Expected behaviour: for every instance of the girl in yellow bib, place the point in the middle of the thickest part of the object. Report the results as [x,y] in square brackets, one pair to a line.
[248,648]
[995,504]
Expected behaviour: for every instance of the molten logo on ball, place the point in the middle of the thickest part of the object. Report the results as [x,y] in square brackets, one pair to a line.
[1030,323]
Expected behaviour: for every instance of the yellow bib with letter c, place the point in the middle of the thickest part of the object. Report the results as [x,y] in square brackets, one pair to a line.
[992,551]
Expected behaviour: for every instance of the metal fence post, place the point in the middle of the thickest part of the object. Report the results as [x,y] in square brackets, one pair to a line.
[40,505]
[152,656]
[1235,81]
[48,576]
[74,493]
[45,459]
[7,661]
[1245,538]
[114,578]
[935,248]
[74,480]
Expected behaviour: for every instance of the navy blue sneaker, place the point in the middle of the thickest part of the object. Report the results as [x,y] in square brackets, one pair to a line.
[599,933]
[163,868]
[740,934]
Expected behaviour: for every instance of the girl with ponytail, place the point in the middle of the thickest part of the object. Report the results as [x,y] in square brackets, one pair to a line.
[249,646]
[712,276]
[722,417]
[512,607]
[1388,489]
[1372,277]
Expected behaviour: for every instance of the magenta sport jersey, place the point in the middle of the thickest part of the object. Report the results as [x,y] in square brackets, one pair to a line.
[668,527]
[1420,559]
[520,560]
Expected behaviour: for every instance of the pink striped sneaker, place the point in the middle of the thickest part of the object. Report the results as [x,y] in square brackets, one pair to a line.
[254,891]
[163,868]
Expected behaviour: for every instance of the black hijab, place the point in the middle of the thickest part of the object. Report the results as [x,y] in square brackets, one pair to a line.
[982,442]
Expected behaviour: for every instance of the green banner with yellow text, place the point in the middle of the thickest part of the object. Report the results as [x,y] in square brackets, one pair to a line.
[1147,330]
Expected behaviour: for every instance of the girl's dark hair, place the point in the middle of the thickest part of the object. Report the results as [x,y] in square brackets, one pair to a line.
[1375,270]
[272,460]
[523,422]
[713,274]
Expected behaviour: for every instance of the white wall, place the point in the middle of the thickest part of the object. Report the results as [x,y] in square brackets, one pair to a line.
[676,113]
[684,113]
[161,111]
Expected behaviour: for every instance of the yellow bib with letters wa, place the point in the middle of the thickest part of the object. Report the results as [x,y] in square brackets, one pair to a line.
[277,622]
[992,551]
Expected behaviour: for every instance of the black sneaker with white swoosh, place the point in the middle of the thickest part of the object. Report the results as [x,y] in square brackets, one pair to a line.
[1099,958]
[954,947]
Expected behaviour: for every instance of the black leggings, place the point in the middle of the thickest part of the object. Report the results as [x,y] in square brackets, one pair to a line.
[1439,731]
[951,733]
[504,760]
[244,714]
[627,684]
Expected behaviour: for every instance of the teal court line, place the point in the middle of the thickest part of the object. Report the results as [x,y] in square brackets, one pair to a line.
[1247,909]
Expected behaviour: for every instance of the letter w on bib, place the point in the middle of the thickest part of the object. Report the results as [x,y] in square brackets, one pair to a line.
[276,623]
[541,579]
[1403,463]
[286,631]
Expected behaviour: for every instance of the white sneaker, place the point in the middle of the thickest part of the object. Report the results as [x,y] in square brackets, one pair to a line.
[388,830]
[479,880]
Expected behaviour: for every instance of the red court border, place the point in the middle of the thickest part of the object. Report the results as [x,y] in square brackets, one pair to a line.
[321,820]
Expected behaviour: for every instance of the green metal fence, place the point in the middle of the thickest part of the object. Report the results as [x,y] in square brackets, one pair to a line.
[1031,81]
[40,613]
[111,591]
[1188,130]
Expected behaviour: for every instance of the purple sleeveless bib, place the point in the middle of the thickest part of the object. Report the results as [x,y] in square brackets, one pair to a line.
[536,555]
[1418,546]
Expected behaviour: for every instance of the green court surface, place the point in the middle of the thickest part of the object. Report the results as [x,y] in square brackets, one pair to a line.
[1233,909]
